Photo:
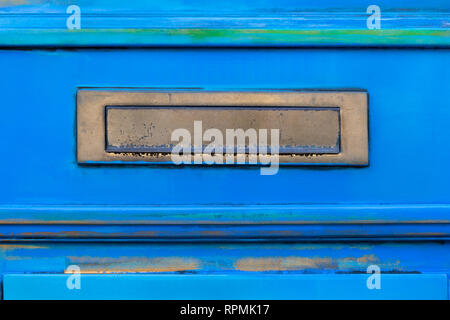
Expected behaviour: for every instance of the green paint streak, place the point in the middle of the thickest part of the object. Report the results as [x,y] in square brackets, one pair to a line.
[223,37]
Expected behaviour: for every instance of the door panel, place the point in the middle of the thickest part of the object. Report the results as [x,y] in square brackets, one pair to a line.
[224,287]
[408,120]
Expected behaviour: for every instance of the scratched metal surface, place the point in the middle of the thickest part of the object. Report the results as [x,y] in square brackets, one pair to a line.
[92,122]
[305,130]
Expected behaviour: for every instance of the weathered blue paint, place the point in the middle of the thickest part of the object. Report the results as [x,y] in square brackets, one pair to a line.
[224,221]
[205,258]
[227,214]
[408,111]
[417,38]
[124,256]
[225,287]
[222,258]
[232,14]
[220,232]
[234,23]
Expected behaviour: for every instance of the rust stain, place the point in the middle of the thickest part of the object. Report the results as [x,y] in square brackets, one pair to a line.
[17,258]
[56,221]
[11,3]
[145,233]
[81,234]
[299,247]
[283,264]
[135,264]
[364,259]
[8,247]
[368,258]
[430,234]
[213,233]
[58,234]
[363,262]
[294,263]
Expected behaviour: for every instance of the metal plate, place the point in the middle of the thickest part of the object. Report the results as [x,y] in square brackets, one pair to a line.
[149,129]
[135,126]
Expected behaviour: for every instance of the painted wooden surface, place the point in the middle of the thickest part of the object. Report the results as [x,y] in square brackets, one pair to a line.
[225,221]
[121,256]
[225,287]
[408,110]
[232,23]
[286,214]
[423,259]
[224,38]
[408,113]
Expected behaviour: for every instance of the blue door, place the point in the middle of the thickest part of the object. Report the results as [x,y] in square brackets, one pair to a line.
[357,208]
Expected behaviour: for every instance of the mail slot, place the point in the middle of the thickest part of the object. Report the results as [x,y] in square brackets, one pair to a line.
[148,129]
[138,126]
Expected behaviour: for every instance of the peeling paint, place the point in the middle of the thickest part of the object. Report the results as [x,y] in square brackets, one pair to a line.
[135,264]
[283,264]
[8,247]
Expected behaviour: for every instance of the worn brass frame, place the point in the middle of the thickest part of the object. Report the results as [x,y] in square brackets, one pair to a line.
[91,105]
